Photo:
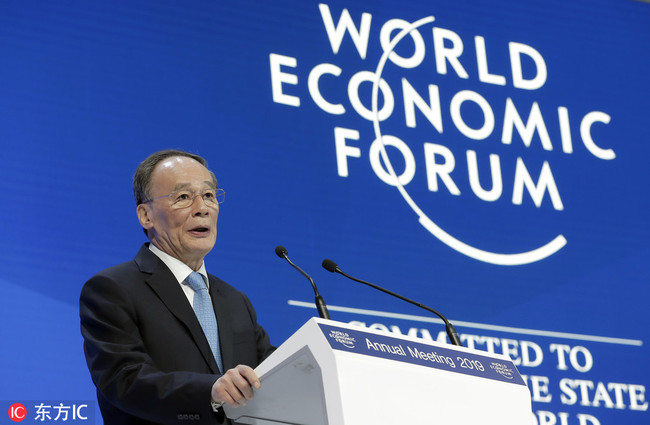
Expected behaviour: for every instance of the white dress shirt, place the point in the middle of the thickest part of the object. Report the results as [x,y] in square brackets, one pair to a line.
[180,271]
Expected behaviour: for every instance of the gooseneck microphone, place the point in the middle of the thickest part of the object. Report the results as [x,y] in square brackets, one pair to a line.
[281,252]
[331,266]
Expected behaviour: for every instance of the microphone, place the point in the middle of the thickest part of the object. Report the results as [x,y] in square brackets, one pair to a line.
[281,252]
[331,266]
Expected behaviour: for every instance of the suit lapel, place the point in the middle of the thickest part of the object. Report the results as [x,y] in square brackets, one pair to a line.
[162,281]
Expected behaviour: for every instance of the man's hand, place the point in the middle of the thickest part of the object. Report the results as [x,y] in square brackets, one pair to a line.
[235,387]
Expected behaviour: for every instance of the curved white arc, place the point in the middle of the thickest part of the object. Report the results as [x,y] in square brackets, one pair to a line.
[375,95]
[492,257]
[516,259]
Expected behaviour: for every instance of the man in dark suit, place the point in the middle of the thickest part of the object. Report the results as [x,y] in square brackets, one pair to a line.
[166,342]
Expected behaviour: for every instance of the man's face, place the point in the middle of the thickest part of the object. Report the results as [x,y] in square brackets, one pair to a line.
[184,233]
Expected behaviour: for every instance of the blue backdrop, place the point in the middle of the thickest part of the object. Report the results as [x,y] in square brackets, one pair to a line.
[509,189]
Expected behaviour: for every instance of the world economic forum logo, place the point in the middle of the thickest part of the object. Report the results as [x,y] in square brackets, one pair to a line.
[503,370]
[521,120]
[343,338]
[490,257]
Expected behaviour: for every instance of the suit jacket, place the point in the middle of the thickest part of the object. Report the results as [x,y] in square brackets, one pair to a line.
[145,348]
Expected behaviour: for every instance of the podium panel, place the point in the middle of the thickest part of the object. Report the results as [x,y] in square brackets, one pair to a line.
[331,373]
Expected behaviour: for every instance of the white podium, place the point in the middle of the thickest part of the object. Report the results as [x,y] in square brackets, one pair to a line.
[338,374]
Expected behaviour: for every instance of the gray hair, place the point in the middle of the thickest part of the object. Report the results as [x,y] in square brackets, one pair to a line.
[142,176]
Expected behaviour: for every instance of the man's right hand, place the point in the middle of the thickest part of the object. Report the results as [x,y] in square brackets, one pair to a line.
[235,387]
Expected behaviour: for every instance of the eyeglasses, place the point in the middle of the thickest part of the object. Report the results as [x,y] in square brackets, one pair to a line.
[185,197]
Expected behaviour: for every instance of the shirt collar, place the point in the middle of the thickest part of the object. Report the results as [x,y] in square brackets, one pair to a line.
[179,269]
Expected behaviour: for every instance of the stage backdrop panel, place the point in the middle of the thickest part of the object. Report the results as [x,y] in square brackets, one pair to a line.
[488,159]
